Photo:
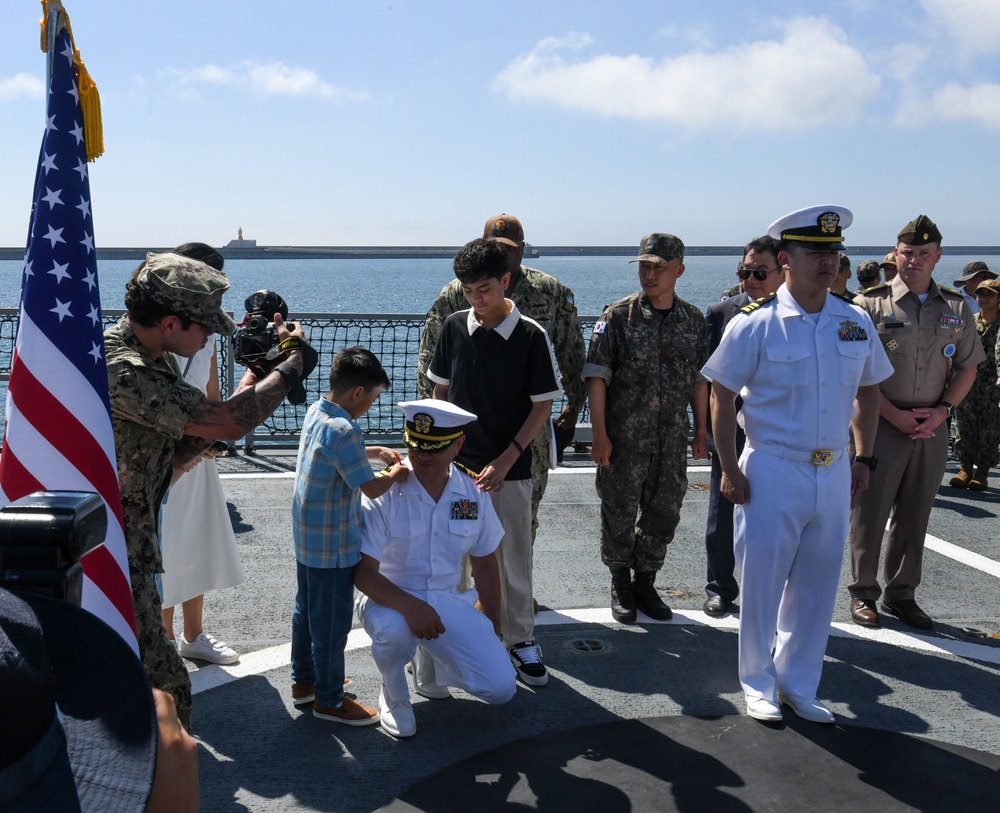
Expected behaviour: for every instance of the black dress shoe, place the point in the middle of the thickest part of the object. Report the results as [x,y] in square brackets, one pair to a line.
[907,611]
[864,613]
[716,606]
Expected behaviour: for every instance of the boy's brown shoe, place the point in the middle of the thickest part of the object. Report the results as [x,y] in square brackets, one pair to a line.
[961,480]
[981,480]
[348,713]
[303,693]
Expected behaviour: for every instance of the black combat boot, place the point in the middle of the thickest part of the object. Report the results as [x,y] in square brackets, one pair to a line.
[648,600]
[622,598]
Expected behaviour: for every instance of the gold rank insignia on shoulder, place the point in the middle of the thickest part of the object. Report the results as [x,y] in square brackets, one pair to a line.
[465,469]
[465,509]
[852,332]
[847,297]
[758,303]
[948,290]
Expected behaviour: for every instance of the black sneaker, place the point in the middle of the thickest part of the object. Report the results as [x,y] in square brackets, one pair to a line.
[527,660]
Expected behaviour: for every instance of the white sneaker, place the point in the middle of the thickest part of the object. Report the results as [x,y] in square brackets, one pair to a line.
[425,677]
[396,718]
[206,648]
[527,660]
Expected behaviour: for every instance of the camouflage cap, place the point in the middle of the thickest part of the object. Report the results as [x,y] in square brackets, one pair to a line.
[659,248]
[919,232]
[505,229]
[989,285]
[188,288]
[867,271]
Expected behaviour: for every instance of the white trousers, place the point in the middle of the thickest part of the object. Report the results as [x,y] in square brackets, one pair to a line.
[789,541]
[468,655]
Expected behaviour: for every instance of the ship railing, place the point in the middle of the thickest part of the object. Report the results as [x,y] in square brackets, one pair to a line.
[394,338]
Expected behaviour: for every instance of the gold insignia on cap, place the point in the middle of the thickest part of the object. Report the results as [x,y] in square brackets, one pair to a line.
[926,236]
[423,422]
[828,222]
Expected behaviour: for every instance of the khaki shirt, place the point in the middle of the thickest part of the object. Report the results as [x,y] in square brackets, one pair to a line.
[925,342]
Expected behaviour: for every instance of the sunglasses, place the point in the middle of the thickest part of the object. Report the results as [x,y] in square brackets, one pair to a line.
[759,274]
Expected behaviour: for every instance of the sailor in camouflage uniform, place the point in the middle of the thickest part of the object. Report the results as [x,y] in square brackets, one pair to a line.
[162,424]
[544,299]
[977,420]
[642,371]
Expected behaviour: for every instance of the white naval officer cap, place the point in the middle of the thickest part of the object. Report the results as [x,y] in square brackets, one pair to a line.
[816,226]
[433,424]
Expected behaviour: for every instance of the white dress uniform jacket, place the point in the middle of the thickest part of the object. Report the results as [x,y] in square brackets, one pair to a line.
[798,374]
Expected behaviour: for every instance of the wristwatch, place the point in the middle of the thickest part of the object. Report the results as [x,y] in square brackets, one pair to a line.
[870,462]
[949,406]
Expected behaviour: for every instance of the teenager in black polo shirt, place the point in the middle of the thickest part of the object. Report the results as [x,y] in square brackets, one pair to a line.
[494,362]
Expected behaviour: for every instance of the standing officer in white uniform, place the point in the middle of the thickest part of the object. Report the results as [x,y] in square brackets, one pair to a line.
[413,540]
[800,358]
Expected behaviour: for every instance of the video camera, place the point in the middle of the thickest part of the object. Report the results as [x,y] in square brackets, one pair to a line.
[43,537]
[255,342]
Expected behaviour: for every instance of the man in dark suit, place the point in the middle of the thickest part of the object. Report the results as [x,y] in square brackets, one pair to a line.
[762,276]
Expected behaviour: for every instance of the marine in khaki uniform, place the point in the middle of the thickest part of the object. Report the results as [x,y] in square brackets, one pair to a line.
[540,297]
[930,337]
[163,425]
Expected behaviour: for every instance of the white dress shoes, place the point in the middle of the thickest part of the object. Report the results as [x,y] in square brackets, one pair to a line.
[761,709]
[425,677]
[396,718]
[808,708]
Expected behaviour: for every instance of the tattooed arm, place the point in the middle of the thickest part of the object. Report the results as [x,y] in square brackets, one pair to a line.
[253,402]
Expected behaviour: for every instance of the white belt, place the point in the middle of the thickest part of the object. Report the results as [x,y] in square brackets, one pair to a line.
[817,457]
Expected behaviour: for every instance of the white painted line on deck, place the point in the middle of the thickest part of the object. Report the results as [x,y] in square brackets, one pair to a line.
[276,657]
[960,554]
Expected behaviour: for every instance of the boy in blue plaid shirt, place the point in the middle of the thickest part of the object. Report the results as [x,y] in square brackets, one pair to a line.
[331,474]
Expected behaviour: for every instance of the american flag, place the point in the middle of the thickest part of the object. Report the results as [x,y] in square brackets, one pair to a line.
[58,434]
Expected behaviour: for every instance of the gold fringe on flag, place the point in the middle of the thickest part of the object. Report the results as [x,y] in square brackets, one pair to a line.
[90,99]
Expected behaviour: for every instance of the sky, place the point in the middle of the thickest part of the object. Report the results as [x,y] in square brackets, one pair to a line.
[411,123]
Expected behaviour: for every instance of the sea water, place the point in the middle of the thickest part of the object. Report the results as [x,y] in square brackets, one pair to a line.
[397,286]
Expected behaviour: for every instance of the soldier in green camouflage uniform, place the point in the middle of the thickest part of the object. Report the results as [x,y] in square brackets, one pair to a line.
[977,418]
[642,370]
[544,299]
[162,424]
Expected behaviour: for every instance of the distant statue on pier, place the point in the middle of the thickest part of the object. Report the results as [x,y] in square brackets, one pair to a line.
[239,235]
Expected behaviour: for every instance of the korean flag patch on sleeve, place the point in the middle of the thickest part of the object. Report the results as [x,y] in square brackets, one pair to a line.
[599,327]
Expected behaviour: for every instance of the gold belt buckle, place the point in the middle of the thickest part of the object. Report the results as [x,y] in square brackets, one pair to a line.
[822,457]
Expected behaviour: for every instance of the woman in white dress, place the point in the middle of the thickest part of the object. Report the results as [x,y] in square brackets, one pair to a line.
[196,536]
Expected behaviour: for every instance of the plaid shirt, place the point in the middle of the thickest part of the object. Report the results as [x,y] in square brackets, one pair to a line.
[326,507]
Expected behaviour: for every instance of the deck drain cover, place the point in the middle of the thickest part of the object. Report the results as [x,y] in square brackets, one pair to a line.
[588,646]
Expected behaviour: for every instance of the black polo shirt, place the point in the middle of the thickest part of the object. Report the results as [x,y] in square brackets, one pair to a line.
[496,374]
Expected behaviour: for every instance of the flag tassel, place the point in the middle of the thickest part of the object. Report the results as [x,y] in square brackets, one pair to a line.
[90,99]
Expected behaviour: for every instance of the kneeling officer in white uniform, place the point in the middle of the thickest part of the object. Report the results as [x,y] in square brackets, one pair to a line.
[413,540]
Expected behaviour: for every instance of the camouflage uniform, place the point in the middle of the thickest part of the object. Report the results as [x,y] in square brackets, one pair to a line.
[543,298]
[650,364]
[977,418]
[150,404]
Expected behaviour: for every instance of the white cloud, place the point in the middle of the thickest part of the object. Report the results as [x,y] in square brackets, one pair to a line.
[953,102]
[273,78]
[21,84]
[811,77]
[973,24]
